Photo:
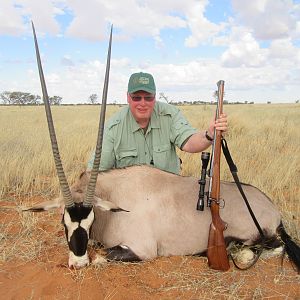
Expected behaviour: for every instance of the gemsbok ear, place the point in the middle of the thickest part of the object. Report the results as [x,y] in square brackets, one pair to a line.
[46,205]
[107,205]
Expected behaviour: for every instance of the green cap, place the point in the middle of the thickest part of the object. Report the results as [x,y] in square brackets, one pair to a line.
[141,82]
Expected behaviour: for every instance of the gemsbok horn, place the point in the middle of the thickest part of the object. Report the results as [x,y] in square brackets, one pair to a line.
[64,186]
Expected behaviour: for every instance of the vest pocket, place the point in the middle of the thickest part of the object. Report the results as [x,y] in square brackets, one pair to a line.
[126,158]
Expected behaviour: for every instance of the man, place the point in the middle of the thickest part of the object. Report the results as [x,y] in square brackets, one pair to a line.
[148,131]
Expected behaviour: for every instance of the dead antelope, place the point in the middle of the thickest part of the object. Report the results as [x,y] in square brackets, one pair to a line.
[139,212]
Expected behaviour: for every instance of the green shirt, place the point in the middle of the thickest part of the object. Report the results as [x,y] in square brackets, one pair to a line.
[126,144]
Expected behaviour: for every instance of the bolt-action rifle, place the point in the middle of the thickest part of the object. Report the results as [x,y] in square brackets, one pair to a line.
[216,248]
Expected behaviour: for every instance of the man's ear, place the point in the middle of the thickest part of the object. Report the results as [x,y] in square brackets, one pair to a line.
[46,205]
[128,97]
[107,205]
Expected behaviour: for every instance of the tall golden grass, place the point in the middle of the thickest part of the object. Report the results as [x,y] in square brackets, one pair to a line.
[264,141]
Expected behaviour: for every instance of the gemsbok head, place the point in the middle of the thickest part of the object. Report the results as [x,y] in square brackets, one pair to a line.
[78,216]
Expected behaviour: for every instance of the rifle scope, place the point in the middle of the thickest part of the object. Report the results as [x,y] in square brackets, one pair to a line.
[205,159]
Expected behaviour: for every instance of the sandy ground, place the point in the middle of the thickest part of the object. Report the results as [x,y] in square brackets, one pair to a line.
[34,254]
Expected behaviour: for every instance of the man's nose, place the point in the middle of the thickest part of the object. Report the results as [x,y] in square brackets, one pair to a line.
[143,101]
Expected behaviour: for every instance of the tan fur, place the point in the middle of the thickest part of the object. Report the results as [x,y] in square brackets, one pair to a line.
[162,218]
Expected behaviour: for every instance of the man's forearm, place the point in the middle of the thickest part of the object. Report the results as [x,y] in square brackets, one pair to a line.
[196,143]
[199,142]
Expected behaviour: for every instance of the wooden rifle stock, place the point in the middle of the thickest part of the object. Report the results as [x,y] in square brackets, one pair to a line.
[216,249]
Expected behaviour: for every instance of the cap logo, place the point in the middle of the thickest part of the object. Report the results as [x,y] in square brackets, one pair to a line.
[144,80]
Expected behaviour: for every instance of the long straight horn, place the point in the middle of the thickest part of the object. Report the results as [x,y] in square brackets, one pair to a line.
[59,168]
[94,173]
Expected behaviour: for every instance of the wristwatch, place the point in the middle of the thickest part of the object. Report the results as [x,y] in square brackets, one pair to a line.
[208,137]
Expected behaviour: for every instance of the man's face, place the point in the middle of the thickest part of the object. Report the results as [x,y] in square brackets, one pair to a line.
[141,105]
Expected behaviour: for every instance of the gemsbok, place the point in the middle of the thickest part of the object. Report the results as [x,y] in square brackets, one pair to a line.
[140,212]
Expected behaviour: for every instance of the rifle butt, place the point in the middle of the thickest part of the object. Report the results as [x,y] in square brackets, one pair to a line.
[216,250]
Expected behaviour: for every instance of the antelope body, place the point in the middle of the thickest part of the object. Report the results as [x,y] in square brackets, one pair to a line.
[141,212]
[162,219]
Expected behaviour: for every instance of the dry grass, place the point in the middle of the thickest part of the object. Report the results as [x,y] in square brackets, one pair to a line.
[21,235]
[264,141]
[26,152]
[184,276]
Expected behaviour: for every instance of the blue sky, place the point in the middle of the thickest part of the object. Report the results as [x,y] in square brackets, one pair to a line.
[187,45]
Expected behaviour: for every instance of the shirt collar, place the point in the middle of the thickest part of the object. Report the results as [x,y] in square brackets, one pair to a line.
[154,120]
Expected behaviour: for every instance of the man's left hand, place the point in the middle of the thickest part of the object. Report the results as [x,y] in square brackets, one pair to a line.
[219,124]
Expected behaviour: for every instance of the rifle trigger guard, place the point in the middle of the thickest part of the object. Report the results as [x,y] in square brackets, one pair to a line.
[220,202]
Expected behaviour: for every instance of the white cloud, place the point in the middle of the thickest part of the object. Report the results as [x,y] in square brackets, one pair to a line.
[11,22]
[75,83]
[42,13]
[120,63]
[243,50]
[131,18]
[15,16]
[284,49]
[195,80]
[88,19]
[269,19]
[202,30]
[134,18]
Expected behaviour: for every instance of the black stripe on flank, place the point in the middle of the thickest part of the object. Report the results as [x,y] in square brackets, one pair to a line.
[118,210]
[121,254]
[39,209]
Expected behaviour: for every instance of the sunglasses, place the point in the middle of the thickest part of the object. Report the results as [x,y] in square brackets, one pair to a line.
[148,98]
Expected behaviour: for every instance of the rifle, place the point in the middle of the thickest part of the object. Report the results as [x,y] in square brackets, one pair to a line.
[216,248]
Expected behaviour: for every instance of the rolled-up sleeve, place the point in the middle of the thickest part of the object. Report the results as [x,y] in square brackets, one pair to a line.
[181,129]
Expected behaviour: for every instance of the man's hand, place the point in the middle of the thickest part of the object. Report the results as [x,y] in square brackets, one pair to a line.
[219,124]
[198,141]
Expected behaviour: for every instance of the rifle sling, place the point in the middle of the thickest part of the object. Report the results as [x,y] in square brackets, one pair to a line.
[234,170]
